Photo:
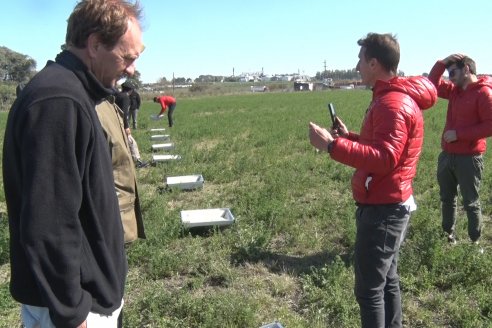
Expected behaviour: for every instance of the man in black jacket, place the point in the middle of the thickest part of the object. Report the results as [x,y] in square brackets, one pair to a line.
[123,101]
[135,102]
[67,256]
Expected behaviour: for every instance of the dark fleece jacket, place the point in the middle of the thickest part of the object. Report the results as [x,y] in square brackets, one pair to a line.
[66,239]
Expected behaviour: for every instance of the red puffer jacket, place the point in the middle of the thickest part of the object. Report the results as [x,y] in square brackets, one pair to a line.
[386,152]
[469,112]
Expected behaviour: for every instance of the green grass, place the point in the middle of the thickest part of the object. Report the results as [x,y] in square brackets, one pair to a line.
[288,257]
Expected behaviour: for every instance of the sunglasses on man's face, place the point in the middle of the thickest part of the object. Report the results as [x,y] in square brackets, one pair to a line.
[452,72]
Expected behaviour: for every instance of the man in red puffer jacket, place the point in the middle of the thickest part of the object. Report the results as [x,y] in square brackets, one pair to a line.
[468,123]
[385,156]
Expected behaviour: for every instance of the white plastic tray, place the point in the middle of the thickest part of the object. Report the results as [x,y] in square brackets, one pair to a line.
[156,117]
[185,181]
[160,137]
[163,146]
[163,158]
[275,324]
[207,217]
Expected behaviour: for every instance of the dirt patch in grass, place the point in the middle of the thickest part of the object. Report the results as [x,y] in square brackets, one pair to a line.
[205,145]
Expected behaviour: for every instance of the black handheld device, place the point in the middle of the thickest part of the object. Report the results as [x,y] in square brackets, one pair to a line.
[333,115]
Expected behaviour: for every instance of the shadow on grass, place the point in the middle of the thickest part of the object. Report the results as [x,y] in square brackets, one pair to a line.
[205,231]
[293,265]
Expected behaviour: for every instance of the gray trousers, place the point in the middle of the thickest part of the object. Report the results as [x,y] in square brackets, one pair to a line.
[465,172]
[380,231]
[170,112]
[134,117]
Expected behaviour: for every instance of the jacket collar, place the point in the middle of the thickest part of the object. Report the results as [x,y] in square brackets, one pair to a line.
[95,89]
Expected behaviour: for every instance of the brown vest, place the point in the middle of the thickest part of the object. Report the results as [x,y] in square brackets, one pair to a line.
[111,118]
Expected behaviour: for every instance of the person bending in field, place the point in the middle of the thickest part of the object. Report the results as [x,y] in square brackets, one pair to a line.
[169,103]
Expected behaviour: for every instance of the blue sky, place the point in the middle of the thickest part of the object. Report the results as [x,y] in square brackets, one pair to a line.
[194,37]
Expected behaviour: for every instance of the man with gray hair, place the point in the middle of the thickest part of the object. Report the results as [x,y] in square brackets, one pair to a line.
[67,255]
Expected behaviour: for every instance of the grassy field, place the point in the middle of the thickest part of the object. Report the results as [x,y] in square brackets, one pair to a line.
[288,257]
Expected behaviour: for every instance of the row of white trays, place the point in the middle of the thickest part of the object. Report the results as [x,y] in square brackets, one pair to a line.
[200,217]
[190,218]
[162,146]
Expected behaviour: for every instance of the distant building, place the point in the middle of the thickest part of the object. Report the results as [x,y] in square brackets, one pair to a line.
[302,78]
[250,77]
[303,86]
[329,82]
[263,88]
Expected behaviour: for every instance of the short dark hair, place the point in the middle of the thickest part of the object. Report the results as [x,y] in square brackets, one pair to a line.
[466,61]
[384,48]
[127,85]
[108,18]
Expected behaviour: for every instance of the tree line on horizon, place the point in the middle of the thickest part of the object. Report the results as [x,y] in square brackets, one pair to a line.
[16,68]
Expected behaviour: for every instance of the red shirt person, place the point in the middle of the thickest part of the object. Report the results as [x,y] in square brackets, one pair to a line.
[169,103]
[468,124]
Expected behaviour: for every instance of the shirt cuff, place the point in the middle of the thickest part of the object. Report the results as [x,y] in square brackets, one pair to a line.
[330,146]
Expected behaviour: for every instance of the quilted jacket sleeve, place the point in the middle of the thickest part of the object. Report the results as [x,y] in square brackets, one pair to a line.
[444,88]
[389,136]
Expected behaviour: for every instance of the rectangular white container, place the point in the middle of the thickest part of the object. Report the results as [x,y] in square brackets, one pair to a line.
[207,217]
[160,137]
[186,182]
[156,117]
[163,146]
[164,158]
[275,324]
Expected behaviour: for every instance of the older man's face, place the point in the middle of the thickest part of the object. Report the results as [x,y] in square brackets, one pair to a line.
[109,66]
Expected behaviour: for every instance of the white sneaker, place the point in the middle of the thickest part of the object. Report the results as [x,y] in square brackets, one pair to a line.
[451,239]
[480,249]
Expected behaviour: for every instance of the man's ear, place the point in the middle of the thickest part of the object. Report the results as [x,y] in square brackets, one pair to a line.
[373,62]
[93,44]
